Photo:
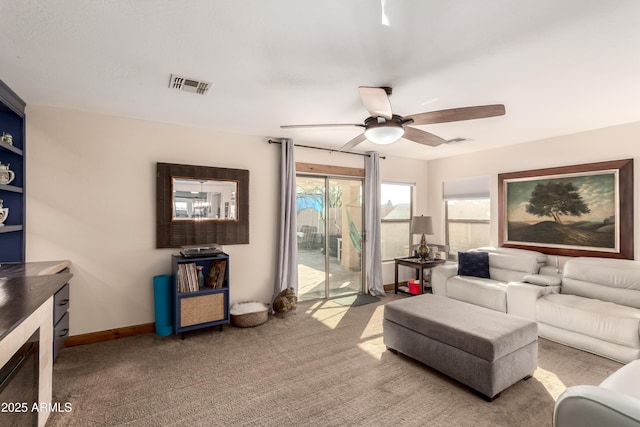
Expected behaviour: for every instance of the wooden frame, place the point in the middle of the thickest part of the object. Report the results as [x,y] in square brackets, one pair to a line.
[175,234]
[328,170]
[595,217]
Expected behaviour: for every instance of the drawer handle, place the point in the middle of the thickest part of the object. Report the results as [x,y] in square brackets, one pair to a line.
[64,302]
[64,333]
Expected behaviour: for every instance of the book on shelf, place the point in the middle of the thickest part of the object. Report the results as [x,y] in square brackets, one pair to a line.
[182,277]
[187,277]
[217,269]
[193,275]
[222,266]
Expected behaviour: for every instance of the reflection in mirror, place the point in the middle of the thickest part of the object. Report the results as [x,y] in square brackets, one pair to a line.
[204,199]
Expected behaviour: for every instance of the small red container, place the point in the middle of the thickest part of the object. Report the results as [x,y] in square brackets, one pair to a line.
[414,287]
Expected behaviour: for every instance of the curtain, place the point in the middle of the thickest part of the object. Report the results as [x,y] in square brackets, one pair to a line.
[373,249]
[287,272]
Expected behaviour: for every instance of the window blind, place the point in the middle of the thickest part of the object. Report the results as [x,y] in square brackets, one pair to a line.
[468,188]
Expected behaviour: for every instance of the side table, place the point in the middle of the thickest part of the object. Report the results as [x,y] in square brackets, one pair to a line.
[419,265]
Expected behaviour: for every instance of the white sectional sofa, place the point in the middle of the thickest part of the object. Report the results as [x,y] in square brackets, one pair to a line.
[594,305]
[597,309]
[505,265]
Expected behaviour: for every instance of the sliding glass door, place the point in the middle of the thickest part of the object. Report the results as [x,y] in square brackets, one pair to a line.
[330,244]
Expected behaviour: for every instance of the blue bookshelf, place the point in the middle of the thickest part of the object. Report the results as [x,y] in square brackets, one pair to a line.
[204,306]
[12,121]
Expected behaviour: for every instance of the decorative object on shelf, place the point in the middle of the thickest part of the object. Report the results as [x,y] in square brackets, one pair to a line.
[4,213]
[285,302]
[422,225]
[248,314]
[200,276]
[7,138]
[6,174]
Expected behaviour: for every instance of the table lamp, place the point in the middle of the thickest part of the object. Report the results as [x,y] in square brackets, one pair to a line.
[422,225]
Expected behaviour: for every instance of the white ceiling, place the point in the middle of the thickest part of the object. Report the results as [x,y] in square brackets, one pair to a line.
[559,67]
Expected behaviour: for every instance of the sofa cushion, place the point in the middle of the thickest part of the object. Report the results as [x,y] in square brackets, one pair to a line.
[479,291]
[539,256]
[473,263]
[515,261]
[614,280]
[598,319]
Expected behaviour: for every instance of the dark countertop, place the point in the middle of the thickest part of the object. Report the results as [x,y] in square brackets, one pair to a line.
[38,268]
[26,286]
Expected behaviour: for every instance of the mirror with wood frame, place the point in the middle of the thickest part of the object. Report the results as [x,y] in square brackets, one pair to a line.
[201,205]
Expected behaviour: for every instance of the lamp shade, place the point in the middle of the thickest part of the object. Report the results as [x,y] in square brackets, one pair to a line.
[421,225]
[385,134]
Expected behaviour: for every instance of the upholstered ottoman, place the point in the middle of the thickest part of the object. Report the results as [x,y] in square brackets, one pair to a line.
[484,349]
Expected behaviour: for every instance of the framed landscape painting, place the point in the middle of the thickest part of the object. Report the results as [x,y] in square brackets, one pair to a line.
[580,210]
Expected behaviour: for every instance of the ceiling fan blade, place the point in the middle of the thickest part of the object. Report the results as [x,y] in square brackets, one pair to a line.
[422,137]
[457,114]
[355,141]
[376,101]
[323,125]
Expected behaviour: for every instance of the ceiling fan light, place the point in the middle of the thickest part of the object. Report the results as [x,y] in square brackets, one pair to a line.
[386,134]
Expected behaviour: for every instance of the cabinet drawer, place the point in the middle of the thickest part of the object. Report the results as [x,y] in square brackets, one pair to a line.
[60,303]
[202,309]
[60,334]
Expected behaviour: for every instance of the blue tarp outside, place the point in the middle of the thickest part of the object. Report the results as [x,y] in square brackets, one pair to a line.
[306,201]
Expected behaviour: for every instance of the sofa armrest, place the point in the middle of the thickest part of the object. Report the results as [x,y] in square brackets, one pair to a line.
[439,277]
[542,280]
[587,405]
[625,380]
[522,298]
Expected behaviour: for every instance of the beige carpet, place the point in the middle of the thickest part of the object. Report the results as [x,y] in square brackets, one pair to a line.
[323,366]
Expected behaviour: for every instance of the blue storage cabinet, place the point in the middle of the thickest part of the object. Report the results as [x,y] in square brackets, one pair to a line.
[205,307]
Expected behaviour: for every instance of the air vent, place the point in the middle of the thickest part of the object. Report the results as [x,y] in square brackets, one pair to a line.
[189,85]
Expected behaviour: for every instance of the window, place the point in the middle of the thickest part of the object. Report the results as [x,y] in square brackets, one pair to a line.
[181,210]
[395,217]
[468,224]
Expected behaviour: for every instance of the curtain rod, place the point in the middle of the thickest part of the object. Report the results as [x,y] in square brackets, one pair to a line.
[271,141]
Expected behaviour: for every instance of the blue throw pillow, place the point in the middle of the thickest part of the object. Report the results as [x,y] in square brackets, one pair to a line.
[474,264]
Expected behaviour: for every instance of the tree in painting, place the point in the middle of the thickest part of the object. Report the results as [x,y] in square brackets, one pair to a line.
[556,198]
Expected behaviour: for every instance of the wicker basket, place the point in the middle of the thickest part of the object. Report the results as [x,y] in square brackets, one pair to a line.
[249,320]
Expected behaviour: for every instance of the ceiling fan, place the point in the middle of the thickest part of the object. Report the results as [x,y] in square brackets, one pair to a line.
[384,127]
